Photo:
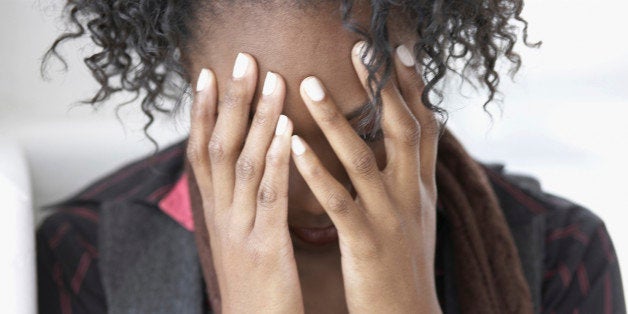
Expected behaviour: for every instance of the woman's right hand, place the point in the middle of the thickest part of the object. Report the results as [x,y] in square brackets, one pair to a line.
[244,189]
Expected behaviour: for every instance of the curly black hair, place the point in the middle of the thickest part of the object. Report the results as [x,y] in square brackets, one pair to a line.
[140,45]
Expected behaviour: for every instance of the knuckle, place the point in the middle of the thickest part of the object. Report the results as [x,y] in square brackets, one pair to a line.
[256,254]
[364,162]
[313,171]
[194,154]
[260,252]
[275,159]
[412,134]
[433,127]
[228,238]
[267,195]
[216,149]
[246,169]
[338,203]
[328,114]
[233,96]
[261,117]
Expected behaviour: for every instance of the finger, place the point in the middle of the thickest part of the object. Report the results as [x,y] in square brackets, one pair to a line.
[411,85]
[202,119]
[250,165]
[226,141]
[272,196]
[346,215]
[361,52]
[401,130]
[355,155]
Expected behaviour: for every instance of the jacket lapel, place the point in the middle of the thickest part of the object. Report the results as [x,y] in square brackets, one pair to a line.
[149,263]
[526,220]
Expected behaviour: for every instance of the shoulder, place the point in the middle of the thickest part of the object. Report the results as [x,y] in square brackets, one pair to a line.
[68,239]
[525,193]
[142,180]
[580,268]
[564,218]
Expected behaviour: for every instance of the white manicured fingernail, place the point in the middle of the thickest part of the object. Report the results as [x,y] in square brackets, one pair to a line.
[313,89]
[358,50]
[405,56]
[240,66]
[282,124]
[203,80]
[270,82]
[297,145]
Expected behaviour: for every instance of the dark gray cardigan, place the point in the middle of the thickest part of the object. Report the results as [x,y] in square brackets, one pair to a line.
[145,262]
[149,263]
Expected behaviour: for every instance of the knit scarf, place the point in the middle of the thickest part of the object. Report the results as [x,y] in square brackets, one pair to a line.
[488,272]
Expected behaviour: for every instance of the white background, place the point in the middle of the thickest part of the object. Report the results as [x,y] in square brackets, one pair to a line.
[562,121]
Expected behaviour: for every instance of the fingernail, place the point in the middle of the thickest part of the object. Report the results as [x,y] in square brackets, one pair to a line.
[203,80]
[282,124]
[405,56]
[270,82]
[359,50]
[240,66]
[313,89]
[297,145]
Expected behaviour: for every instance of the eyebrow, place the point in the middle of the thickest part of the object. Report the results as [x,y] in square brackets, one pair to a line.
[364,107]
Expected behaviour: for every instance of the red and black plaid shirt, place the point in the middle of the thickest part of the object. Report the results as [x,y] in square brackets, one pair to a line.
[580,265]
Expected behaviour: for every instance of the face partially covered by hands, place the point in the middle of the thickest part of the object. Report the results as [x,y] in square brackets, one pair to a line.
[295,44]
[386,234]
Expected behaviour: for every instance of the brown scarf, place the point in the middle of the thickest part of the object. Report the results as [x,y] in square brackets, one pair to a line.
[489,276]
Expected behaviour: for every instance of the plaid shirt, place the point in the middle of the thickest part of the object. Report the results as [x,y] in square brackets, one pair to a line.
[581,272]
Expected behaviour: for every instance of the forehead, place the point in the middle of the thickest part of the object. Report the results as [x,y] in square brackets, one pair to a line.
[292,42]
[283,38]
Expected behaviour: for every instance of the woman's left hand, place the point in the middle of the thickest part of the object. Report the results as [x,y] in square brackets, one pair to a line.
[387,235]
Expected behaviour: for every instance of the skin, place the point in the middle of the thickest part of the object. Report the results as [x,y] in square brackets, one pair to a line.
[386,227]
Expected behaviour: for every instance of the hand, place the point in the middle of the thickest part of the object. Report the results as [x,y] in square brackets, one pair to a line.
[245,190]
[387,235]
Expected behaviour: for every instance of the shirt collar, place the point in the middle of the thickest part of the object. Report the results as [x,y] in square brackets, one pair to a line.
[176,203]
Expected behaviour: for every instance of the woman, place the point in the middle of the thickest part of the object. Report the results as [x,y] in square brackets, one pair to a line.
[316,177]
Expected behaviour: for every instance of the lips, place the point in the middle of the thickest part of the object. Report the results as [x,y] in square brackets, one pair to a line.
[316,236]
